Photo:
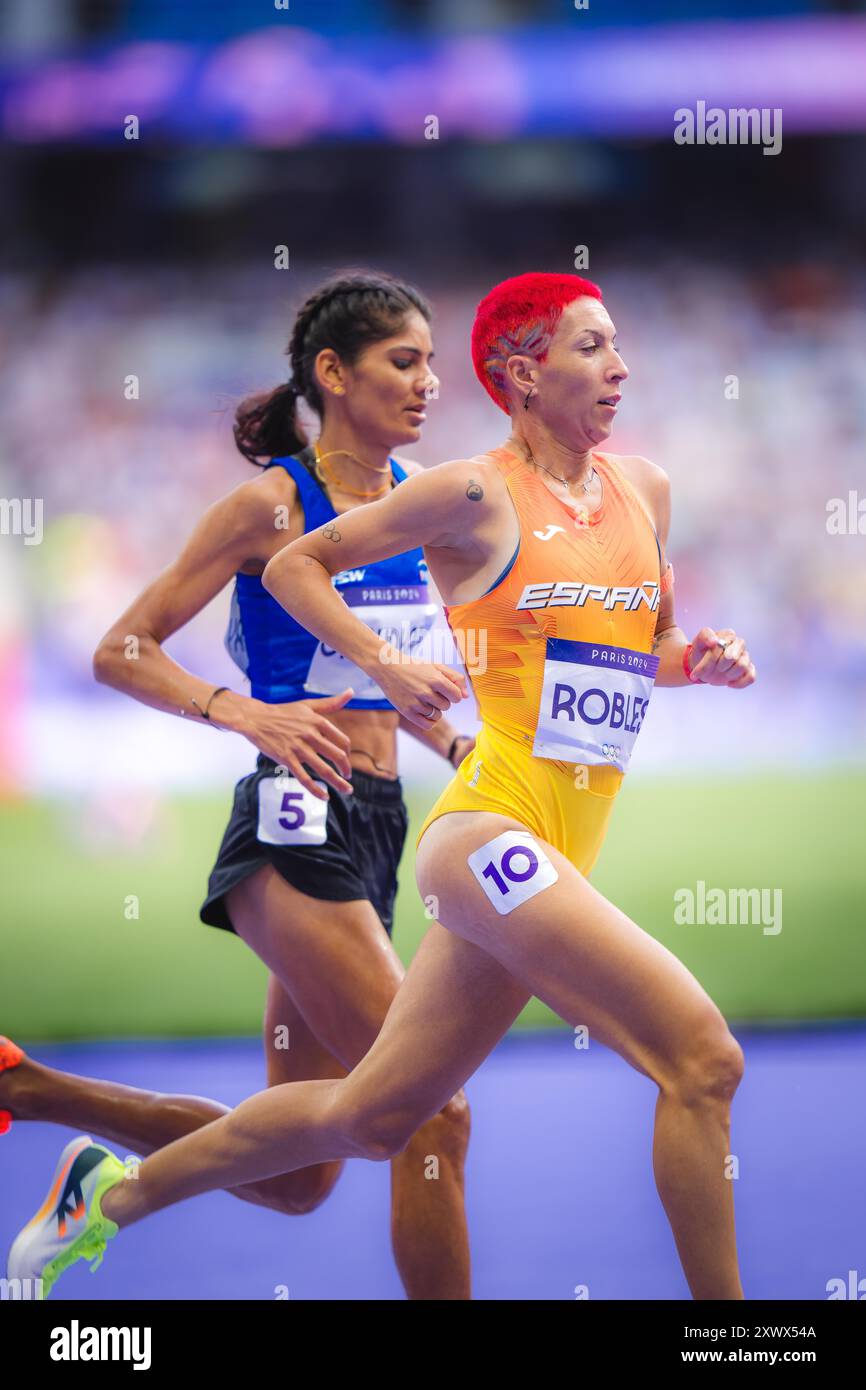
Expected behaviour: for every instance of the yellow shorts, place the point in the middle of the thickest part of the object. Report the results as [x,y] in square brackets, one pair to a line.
[563,803]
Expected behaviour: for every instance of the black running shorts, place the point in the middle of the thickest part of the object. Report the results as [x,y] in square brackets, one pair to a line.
[346,848]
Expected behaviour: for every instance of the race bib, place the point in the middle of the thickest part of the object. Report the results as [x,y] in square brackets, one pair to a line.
[289,814]
[593,702]
[395,615]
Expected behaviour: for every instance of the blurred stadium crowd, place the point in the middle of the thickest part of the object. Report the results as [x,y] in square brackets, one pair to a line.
[749,391]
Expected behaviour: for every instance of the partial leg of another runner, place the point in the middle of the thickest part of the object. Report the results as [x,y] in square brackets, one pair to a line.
[140,1121]
[346,972]
[288,1127]
[338,973]
[342,974]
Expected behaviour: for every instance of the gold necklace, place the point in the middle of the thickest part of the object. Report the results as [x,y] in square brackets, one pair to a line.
[374,468]
[323,475]
[579,510]
[567,481]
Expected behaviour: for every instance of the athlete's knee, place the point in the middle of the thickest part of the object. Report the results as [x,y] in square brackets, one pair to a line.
[305,1189]
[370,1129]
[456,1120]
[713,1068]
[391,1132]
[446,1133]
[381,1131]
[377,1137]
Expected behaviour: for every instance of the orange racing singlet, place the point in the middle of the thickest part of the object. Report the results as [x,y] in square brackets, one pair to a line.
[559,650]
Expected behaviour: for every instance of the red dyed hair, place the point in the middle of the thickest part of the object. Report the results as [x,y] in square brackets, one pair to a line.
[520,315]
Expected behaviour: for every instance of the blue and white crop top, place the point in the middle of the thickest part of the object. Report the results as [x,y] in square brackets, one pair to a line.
[283,661]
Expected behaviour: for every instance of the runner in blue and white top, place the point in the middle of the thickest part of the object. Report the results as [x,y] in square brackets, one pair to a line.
[307,871]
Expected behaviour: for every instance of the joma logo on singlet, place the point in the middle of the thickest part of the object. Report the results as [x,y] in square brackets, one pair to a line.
[570,595]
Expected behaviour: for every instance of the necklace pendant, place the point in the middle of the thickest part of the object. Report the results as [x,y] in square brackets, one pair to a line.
[579,511]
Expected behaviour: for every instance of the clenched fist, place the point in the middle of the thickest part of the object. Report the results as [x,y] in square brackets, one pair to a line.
[719,658]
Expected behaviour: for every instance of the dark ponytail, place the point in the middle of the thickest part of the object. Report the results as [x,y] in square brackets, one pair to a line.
[266,424]
[346,313]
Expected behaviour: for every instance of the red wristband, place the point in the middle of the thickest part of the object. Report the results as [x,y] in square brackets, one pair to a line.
[686,654]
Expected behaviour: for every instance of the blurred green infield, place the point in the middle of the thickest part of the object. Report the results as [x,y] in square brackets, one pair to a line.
[73,965]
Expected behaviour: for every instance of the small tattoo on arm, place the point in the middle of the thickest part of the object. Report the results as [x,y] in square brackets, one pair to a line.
[475,491]
[330,532]
[660,637]
[308,560]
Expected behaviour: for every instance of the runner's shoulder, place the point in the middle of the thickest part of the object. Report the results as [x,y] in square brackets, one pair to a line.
[648,475]
[444,470]
[468,479]
[652,485]
[253,507]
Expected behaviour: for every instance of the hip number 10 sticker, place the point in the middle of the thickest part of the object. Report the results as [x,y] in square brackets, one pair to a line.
[511,869]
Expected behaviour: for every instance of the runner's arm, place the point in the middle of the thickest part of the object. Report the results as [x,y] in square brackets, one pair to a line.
[441,735]
[439,507]
[234,531]
[130,658]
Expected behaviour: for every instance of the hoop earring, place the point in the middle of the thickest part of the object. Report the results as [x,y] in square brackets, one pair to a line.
[528,397]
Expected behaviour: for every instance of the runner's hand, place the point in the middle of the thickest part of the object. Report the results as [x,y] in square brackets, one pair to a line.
[421,690]
[300,732]
[720,658]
